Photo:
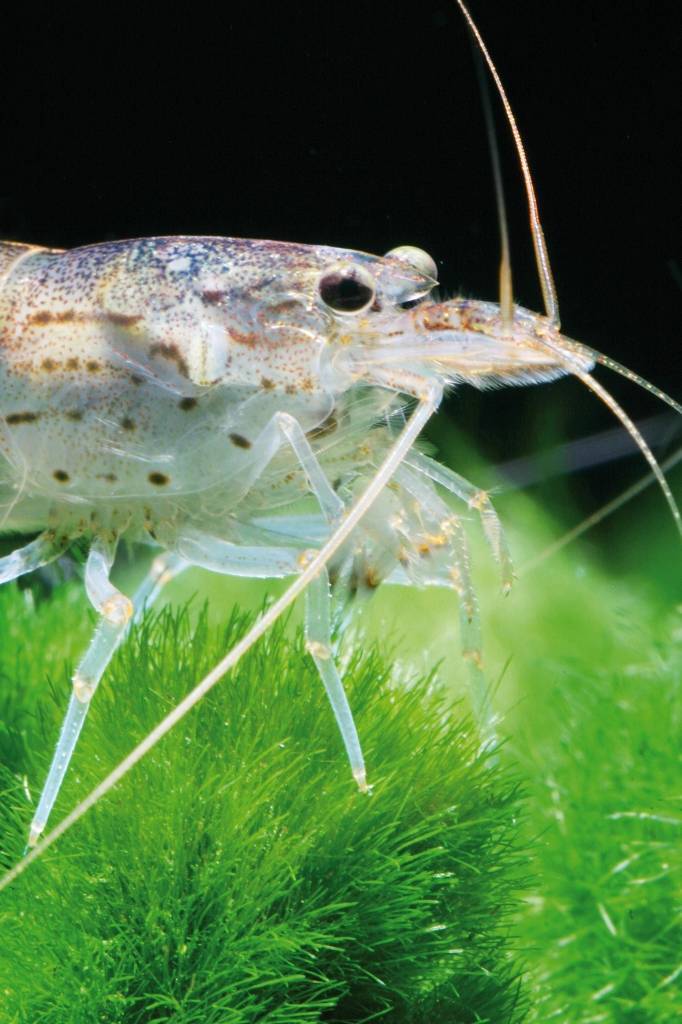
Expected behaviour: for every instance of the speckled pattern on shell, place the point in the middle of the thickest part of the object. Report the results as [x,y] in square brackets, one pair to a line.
[137,376]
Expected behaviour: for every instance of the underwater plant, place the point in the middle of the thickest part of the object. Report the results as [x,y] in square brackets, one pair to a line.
[237,875]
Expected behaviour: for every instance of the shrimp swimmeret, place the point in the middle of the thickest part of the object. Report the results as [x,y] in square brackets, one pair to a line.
[185,392]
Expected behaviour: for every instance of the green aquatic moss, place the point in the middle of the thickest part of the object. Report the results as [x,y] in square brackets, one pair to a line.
[604,930]
[236,875]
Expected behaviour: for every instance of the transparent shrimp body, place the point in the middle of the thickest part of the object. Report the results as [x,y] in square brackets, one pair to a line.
[188,391]
[185,391]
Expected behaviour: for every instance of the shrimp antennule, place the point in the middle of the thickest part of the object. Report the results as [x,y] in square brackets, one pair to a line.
[541,254]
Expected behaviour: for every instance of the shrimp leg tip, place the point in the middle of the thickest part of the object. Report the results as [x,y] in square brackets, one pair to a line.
[33,837]
[360,777]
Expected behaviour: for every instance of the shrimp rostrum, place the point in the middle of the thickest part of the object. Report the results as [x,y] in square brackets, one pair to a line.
[187,391]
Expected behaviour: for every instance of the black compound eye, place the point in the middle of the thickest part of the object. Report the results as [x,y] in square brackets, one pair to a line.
[347,288]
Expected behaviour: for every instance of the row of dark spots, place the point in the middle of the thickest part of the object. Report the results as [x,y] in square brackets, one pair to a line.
[46,316]
[50,365]
[157,479]
[69,316]
[77,415]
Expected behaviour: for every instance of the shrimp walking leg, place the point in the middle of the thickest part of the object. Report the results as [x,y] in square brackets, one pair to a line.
[284,427]
[318,642]
[269,562]
[116,622]
[237,560]
[117,611]
[475,498]
[450,566]
[39,552]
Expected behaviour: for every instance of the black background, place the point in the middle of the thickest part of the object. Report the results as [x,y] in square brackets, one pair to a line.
[360,124]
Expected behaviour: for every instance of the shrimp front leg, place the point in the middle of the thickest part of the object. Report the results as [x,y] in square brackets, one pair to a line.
[116,610]
[41,551]
[118,614]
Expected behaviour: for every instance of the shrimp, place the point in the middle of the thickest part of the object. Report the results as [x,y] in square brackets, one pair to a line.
[185,391]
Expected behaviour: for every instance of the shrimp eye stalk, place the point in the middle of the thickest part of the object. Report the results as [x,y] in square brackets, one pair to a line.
[416,258]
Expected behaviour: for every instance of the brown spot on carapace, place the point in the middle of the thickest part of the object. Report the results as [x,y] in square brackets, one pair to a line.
[61,476]
[291,389]
[110,478]
[75,415]
[212,297]
[249,340]
[240,441]
[42,317]
[67,316]
[158,479]
[123,319]
[173,353]
[127,423]
[136,379]
[267,384]
[22,417]
[72,364]
[188,403]
[92,366]
[49,365]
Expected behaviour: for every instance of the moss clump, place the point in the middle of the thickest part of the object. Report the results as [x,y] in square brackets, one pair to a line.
[237,875]
[605,928]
